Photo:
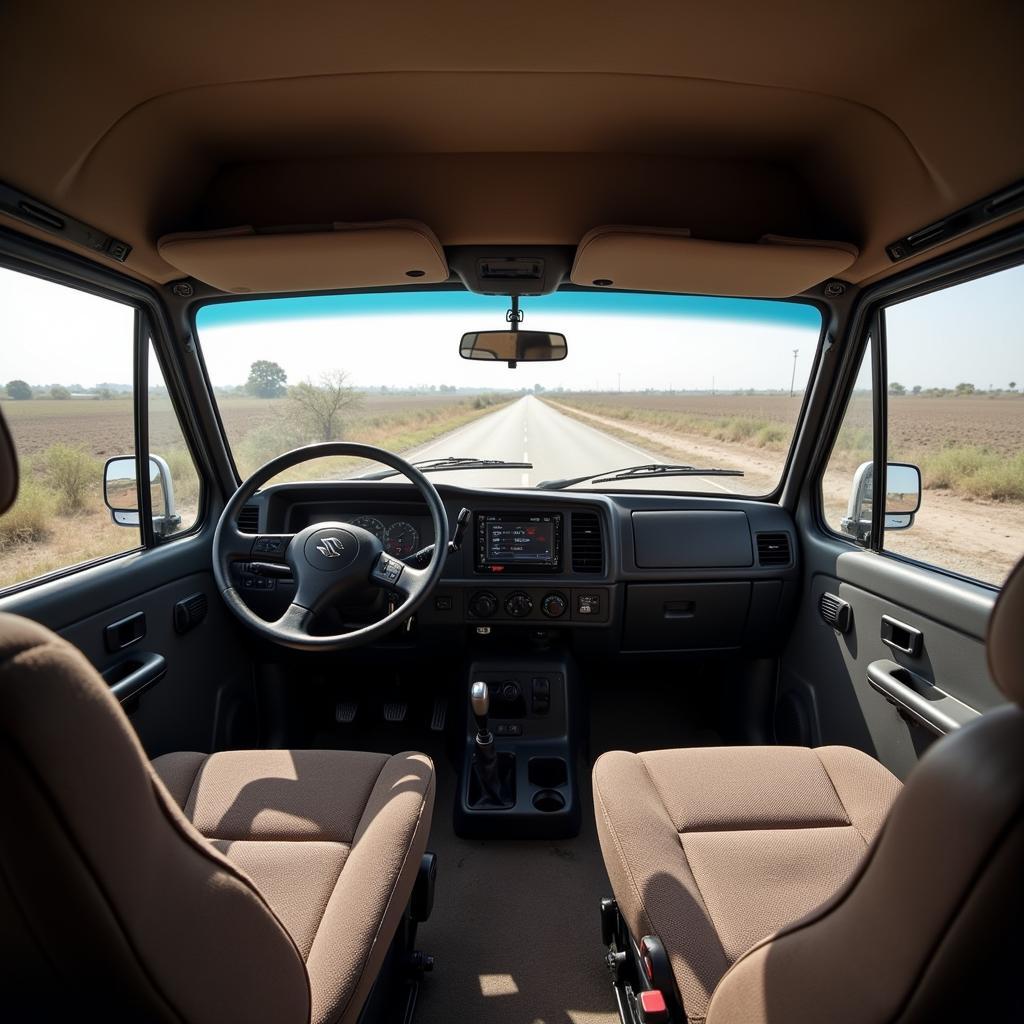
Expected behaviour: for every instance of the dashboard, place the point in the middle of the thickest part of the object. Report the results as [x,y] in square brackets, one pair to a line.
[623,573]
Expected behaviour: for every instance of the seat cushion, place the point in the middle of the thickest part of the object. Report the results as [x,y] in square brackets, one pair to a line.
[332,839]
[712,849]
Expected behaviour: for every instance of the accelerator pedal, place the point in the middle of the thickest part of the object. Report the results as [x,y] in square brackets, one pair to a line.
[439,715]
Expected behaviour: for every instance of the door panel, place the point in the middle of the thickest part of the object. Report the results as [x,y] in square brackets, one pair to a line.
[205,699]
[824,673]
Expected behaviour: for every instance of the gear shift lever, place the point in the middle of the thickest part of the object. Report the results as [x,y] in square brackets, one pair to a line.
[492,791]
[480,702]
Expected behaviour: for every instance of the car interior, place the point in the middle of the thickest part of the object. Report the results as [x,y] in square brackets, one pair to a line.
[448,684]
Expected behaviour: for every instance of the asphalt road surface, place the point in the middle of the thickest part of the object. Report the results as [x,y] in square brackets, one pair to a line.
[528,430]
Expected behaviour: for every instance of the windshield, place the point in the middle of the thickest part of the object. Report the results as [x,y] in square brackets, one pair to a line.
[668,388]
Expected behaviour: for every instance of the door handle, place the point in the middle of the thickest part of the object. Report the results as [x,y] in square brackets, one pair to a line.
[918,698]
[901,637]
[129,676]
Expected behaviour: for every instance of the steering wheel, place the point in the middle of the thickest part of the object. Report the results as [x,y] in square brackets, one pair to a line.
[326,560]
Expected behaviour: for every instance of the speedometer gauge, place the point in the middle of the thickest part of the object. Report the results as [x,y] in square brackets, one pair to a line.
[401,539]
[375,526]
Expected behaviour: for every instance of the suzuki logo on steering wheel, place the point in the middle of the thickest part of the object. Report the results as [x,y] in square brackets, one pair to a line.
[331,547]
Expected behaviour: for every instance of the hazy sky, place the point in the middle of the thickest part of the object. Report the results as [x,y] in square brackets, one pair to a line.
[50,334]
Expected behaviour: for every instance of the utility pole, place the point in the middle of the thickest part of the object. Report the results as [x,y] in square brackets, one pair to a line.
[620,380]
[792,380]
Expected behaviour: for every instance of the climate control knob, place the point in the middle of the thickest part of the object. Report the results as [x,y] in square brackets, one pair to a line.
[483,604]
[518,604]
[554,606]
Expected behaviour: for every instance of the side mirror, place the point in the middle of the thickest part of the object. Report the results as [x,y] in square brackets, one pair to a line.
[902,499]
[120,493]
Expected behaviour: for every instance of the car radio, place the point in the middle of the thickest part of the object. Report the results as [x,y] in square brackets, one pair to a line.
[518,542]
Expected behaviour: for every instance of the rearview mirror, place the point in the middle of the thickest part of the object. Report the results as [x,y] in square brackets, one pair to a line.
[513,347]
[902,499]
[120,493]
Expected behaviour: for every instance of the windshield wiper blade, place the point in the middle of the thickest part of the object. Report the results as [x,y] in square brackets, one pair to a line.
[442,465]
[637,472]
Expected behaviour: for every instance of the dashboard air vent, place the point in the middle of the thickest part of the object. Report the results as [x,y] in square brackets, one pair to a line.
[773,549]
[249,519]
[587,547]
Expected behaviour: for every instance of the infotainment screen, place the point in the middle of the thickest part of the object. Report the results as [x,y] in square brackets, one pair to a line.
[521,542]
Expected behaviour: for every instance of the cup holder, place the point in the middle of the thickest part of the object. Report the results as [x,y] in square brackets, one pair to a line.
[548,800]
[548,772]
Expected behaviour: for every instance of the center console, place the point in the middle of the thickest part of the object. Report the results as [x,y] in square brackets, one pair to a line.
[518,773]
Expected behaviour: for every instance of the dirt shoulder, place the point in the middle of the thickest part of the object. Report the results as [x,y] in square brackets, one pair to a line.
[981,539]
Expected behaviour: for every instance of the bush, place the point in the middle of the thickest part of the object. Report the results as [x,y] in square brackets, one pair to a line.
[71,472]
[31,516]
[977,472]
[60,392]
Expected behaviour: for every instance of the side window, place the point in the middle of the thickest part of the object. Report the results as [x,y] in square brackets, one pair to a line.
[66,380]
[955,363]
[175,499]
[851,459]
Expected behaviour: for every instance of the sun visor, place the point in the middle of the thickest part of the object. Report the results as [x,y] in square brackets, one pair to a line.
[374,255]
[669,260]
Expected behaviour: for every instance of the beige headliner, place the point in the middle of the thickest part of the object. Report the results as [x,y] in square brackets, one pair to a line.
[734,120]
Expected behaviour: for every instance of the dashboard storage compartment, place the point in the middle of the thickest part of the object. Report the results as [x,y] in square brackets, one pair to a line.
[685,616]
[715,539]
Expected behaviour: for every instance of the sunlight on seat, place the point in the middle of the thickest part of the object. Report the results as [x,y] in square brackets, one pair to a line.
[498,985]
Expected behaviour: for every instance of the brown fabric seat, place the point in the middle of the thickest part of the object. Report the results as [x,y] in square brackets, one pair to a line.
[712,849]
[791,886]
[262,886]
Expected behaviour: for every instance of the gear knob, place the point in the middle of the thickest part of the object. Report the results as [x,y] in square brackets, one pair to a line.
[480,702]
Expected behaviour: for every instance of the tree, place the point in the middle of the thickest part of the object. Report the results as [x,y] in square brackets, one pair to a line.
[60,392]
[319,407]
[897,389]
[917,389]
[965,389]
[266,379]
[18,390]
[1013,385]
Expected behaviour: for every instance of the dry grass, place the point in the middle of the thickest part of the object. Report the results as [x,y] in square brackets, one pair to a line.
[60,519]
[972,445]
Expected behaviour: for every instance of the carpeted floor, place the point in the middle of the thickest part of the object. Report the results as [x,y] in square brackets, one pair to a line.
[515,928]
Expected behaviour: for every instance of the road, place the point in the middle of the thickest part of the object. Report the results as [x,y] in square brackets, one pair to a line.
[528,430]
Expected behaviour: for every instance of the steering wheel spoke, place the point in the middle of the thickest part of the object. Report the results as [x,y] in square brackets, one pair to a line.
[296,619]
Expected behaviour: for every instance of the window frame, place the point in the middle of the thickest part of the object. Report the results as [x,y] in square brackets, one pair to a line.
[33,259]
[867,324]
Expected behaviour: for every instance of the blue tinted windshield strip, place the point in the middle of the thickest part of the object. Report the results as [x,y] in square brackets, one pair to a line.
[316,307]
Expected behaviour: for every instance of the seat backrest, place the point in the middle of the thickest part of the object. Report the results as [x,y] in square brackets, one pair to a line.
[931,926]
[108,895]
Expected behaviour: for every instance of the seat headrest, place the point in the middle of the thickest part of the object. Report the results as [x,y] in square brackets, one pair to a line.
[1005,642]
[8,467]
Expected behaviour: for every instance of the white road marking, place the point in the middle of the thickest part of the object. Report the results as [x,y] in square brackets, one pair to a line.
[526,455]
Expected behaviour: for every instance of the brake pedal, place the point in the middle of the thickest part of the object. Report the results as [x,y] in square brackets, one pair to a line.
[439,715]
[395,711]
[345,711]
